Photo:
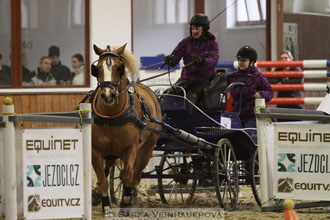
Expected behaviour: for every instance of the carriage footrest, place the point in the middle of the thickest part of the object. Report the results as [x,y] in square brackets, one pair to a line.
[210,132]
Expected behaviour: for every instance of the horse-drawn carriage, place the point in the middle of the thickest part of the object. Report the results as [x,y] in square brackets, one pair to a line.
[198,151]
[219,164]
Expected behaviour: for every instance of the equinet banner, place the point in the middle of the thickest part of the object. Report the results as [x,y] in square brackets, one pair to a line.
[301,159]
[53,177]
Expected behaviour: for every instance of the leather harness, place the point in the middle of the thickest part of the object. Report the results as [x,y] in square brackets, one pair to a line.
[128,116]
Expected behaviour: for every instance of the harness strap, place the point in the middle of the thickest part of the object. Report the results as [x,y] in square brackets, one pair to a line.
[128,117]
[91,94]
[144,107]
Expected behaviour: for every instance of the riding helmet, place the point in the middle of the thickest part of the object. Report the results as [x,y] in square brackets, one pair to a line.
[247,52]
[200,20]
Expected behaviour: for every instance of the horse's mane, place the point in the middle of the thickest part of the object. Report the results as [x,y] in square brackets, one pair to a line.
[132,65]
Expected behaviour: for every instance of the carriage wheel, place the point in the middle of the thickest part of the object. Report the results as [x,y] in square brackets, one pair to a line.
[115,181]
[176,183]
[255,177]
[226,174]
[255,180]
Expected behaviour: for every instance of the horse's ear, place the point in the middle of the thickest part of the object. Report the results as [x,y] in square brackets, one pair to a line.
[121,49]
[97,50]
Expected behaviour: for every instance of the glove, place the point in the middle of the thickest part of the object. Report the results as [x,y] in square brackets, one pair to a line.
[168,60]
[197,59]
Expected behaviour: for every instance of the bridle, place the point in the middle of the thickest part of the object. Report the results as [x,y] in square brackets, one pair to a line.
[114,86]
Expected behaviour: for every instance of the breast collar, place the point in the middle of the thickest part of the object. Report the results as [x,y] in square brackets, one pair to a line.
[127,117]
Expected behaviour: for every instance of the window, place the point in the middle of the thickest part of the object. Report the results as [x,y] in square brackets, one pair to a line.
[171,11]
[5,37]
[164,26]
[57,29]
[78,12]
[250,12]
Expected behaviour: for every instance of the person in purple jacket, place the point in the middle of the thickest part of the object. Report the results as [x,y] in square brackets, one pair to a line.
[256,83]
[201,49]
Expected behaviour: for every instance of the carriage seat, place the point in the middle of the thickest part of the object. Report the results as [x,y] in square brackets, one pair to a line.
[214,98]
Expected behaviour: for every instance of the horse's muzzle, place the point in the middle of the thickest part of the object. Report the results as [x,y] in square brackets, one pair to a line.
[109,97]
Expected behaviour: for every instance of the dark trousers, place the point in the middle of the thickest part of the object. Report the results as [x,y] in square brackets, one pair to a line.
[194,92]
[249,124]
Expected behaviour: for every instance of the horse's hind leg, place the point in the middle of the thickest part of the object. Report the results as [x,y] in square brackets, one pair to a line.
[108,164]
[103,185]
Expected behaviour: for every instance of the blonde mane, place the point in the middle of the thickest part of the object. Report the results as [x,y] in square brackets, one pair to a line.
[132,65]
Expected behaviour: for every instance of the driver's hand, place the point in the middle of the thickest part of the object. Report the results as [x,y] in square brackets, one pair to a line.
[257,96]
[168,60]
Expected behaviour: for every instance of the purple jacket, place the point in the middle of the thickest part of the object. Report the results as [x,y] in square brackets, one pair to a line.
[256,82]
[207,48]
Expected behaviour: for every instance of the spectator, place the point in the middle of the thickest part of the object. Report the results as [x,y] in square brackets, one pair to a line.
[42,75]
[5,74]
[78,69]
[201,49]
[61,73]
[287,56]
[26,73]
[256,83]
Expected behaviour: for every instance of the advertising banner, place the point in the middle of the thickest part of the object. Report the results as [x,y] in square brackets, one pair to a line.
[301,161]
[53,173]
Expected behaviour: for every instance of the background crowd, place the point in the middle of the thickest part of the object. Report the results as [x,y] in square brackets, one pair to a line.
[49,72]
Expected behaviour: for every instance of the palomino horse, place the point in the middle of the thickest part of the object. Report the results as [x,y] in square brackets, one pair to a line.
[121,113]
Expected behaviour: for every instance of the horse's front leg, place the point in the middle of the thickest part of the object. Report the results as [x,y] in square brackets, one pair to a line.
[127,176]
[103,185]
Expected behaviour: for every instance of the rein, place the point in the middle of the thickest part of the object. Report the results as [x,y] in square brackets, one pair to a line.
[161,74]
[129,87]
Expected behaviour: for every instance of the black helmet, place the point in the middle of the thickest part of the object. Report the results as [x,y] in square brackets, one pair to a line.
[247,52]
[200,20]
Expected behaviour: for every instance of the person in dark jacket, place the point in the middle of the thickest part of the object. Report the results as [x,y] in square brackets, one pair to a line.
[201,49]
[5,74]
[287,56]
[26,74]
[256,83]
[61,73]
[42,75]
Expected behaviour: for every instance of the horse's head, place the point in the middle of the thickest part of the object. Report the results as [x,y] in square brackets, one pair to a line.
[110,72]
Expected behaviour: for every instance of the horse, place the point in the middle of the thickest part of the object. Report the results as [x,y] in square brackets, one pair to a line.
[121,111]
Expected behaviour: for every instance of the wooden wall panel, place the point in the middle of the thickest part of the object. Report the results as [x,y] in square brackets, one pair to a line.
[56,107]
[41,108]
[313,43]
[313,35]
[17,101]
[25,109]
[39,103]
[63,103]
[34,109]
[71,102]
[49,107]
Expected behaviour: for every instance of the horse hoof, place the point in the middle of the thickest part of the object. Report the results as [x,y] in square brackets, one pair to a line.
[124,206]
[108,213]
[134,195]
[129,204]
[96,198]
